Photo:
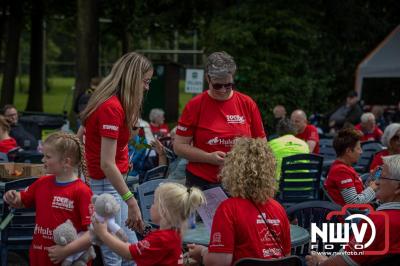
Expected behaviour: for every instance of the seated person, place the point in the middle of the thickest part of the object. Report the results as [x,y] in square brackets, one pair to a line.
[388,194]
[348,113]
[368,128]
[306,132]
[250,223]
[287,144]
[391,140]
[343,184]
[24,139]
[7,143]
[157,123]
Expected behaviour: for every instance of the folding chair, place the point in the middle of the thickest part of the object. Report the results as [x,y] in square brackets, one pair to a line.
[155,173]
[286,261]
[17,225]
[300,178]
[145,196]
[309,212]
[327,151]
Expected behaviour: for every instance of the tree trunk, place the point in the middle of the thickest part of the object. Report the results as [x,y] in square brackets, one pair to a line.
[87,62]
[3,19]
[87,58]
[36,84]
[11,54]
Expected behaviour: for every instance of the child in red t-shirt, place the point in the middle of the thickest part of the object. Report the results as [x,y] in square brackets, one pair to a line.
[57,196]
[173,203]
[7,143]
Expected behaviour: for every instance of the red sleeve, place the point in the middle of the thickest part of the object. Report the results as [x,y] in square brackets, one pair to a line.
[257,128]
[187,121]
[343,179]
[313,134]
[85,206]
[222,237]
[111,119]
[376,161]
[148,251]
[28,195]
[378,133]
[376,245]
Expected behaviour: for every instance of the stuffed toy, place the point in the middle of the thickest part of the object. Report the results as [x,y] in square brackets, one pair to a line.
[64,234]
[105,208]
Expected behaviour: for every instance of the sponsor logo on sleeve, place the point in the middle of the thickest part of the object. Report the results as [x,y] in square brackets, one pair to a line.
[182,128]
[110,127]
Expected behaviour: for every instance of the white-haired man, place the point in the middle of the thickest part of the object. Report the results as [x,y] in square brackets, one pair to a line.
[388,194]
[368,128]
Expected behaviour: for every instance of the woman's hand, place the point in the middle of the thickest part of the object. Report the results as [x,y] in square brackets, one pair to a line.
[56,254]
[134,221]
[195,252]
[217,157]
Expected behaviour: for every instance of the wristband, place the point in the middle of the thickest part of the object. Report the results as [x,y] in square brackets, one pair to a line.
[127,196]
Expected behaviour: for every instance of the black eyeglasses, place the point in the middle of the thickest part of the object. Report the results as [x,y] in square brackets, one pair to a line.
[218,86]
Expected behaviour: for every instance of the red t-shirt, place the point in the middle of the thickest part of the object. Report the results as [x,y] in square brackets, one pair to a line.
[342,176]
[239,229]
[161,130]
[161,247]
[108,121]
[377,160]
[54,204]
[379,241]
[214,125]
[7,144]
[375,134]
[310,133]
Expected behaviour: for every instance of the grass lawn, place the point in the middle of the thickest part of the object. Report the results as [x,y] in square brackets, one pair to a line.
[59,96]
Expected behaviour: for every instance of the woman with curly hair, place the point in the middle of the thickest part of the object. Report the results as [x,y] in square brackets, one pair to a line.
[250,223]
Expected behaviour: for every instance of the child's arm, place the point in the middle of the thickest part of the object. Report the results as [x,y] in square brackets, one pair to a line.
[13,198]
[116,245]
[58,253]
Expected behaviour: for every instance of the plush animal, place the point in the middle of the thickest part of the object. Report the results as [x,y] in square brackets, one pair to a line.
[105,208]
[64,234]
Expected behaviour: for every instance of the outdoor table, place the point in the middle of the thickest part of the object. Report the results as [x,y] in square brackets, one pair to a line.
[200,235]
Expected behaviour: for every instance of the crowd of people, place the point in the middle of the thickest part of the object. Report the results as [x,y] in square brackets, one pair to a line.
[219,141]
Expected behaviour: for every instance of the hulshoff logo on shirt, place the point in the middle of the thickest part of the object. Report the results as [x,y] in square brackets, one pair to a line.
[45,232]
[110,127]
[235,119]
[219,141]
[62,203]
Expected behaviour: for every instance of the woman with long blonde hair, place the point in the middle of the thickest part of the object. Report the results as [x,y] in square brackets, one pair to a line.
[112,111]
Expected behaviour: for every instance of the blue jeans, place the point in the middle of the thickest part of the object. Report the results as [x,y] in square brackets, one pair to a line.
[110,258]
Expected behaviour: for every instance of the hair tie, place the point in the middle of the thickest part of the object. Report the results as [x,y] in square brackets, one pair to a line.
[189,189]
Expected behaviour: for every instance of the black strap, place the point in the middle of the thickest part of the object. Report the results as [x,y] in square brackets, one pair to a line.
[277,240]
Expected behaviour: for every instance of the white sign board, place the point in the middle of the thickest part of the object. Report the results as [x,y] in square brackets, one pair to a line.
[214,196]
[194,80]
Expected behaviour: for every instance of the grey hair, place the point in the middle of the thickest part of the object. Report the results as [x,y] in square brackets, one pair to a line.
[220,65]
[285,127]
[393,164]
[154,113]
[389,133]
[366,117]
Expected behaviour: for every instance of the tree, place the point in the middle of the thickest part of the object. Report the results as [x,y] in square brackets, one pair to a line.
[12,50]
[87,44]
[36,66]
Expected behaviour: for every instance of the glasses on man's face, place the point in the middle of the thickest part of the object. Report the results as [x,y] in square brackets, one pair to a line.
[219,86]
